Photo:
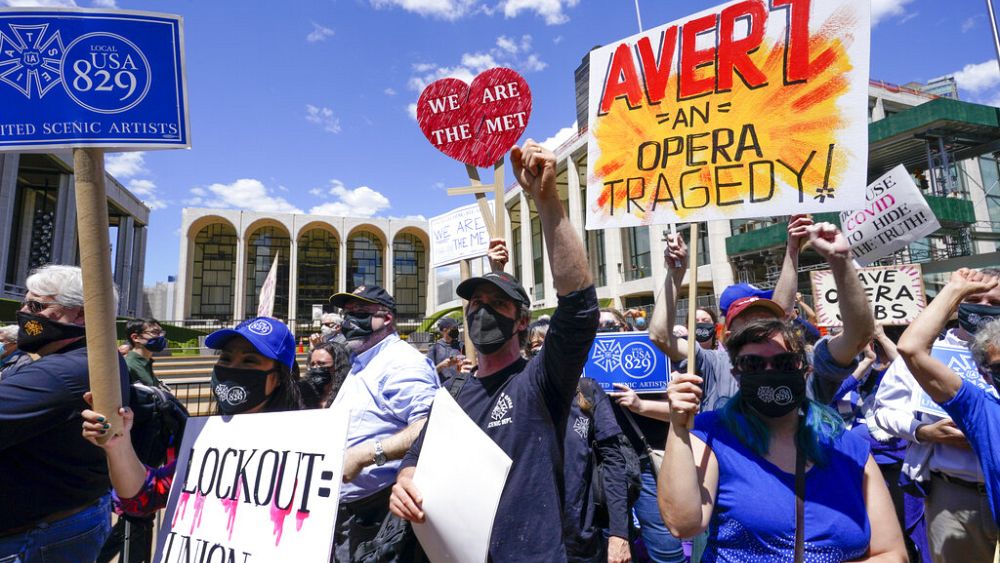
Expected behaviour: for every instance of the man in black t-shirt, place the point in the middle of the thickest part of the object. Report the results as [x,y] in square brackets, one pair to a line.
[446,352]
[523,405]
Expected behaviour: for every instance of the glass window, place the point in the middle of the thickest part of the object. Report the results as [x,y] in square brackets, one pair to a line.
[409,279]
[515,234]
[594,243]
[537,257]
[364,260]
[213,275]
[262,246]
[448,278]
[318,263]
[635,252]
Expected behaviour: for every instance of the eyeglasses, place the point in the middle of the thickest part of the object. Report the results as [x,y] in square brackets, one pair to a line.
[330,325]
[609,327]
[748,363]
[35,307]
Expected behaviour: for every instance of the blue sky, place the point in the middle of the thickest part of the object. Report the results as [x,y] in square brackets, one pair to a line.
[307,105]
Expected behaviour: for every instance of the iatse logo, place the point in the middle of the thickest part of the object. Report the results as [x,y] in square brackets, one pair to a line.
[500,411]
[582,426]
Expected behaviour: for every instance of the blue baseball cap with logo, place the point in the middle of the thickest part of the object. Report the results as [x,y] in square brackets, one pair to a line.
[738,291]
[270,337]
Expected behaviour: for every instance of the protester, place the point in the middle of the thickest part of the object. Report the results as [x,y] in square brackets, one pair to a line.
[446,353]
[975,412]
[523,405]
[329,364]
[146,337]
[738,471]
[706,330]
[331,330]
[647,435]
[536,338]
[10,356]
[939,464]
[54,485]
[253,374]
[390,390]
[834,357]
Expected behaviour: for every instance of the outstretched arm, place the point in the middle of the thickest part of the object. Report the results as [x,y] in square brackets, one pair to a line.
[661,326]
[788,281]
[535,169]
[939,381]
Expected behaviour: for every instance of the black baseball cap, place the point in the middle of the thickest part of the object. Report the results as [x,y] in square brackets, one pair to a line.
[366,293]
[502,280]
[447,323]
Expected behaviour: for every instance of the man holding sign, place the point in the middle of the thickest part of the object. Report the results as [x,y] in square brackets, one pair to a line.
[958,525]
[523,405]
[54,485]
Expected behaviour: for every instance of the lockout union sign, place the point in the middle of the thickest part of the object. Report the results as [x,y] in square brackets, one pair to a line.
[86,78]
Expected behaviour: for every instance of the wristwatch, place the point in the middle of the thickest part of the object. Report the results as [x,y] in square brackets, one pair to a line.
[379,458]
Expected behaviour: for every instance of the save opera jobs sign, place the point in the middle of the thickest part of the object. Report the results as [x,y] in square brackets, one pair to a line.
[748,109]
[90,78]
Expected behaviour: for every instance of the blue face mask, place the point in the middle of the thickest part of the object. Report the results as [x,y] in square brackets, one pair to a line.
[640,323]
[157,344]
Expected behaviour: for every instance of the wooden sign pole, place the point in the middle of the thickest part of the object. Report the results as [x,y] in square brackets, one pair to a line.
[692,304]
[98,293]
[470,350]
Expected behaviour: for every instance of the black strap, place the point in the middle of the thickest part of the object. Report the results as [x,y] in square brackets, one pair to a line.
[456,384]
[635,426]
[800,504]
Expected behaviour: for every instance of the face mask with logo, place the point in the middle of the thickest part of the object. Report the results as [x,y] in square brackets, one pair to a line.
[157,344]
[972,317]
[238,390]
[488,329]
[704,332]
[34,332]
[773,393]
[357,326]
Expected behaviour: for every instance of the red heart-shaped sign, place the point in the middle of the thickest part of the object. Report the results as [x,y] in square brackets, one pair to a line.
[475,124]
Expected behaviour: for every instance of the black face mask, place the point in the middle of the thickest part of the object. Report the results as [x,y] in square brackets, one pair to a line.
[357,326]
[704,332]
[238,390]
[157,344]
[488,329]
[773,393]
[34,332]
[320,377]
[453,333]
[972,317]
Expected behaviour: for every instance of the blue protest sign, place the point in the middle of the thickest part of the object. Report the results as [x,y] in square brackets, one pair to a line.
[88,78]
[958,360]
[628,358]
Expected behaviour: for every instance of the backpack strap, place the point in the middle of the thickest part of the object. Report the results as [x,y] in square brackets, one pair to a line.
[456,383]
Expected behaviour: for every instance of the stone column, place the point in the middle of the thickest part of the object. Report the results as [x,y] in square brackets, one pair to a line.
[527,271]
[8,193]
[123,262]
[241,266]
[138,270]
[293,282]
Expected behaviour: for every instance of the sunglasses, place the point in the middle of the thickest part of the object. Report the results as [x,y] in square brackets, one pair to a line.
[748,363]
[993,370]
[35,307]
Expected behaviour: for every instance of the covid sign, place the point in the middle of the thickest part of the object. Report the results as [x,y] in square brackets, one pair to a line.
[85,78]
[749,109]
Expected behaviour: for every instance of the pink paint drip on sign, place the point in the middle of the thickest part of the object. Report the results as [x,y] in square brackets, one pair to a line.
[230,505]
[199,506]
[181,508]
[278,515]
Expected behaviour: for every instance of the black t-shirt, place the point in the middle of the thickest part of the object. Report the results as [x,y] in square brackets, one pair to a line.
[439,352]
[46,465]
[524,408]
[585,432]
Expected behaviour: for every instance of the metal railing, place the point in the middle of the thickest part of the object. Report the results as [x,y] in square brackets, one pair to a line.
[196,396]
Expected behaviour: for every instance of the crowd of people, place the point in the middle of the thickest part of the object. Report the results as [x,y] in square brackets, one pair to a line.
[778,444]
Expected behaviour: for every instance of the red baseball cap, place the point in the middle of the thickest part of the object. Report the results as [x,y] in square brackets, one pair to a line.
[744,304]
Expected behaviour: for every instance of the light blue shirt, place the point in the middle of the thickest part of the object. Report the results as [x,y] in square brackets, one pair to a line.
[391,386]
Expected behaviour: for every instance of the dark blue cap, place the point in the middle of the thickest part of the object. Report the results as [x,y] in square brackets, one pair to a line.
[269,336]
[739,291]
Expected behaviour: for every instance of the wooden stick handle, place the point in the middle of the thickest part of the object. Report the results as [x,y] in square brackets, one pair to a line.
[692,305]
[470,350]
[98,287]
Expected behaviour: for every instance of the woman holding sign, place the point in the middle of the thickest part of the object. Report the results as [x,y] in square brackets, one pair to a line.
[253,374]
[772,475]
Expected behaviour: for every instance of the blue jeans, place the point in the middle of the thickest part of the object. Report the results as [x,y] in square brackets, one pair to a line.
[662,547]
[71,540]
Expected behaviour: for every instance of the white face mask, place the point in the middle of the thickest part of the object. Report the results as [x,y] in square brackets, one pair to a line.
[326,330]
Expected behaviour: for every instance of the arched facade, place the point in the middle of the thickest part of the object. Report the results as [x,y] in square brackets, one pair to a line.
[365,257]
[318,268]
[409,267]
[265,240]
[214,243]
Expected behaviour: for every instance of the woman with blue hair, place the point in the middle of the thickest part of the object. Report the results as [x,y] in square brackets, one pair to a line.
[772,475]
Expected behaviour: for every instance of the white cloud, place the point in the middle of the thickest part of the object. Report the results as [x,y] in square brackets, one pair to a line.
[38,3]
[146,191]
[316,192]
[513,52]
[323,116]
[105,4]
[882,9]
[550,10]
[389,92]
[358,202]
[411,110]
[560,137]
[319,33]
[246,193]
[408,218]
[975,78]
[557,39]
[971,22]
[450,10]
[125,164]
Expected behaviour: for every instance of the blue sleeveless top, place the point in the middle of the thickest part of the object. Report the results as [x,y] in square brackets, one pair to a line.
[754,516]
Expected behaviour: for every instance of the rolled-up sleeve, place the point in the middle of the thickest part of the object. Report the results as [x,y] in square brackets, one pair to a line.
[409,391]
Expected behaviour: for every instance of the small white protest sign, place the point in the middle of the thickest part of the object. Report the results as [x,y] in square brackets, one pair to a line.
[256,487]
[895,294]
[895,215]
[458,235]
[461,474]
